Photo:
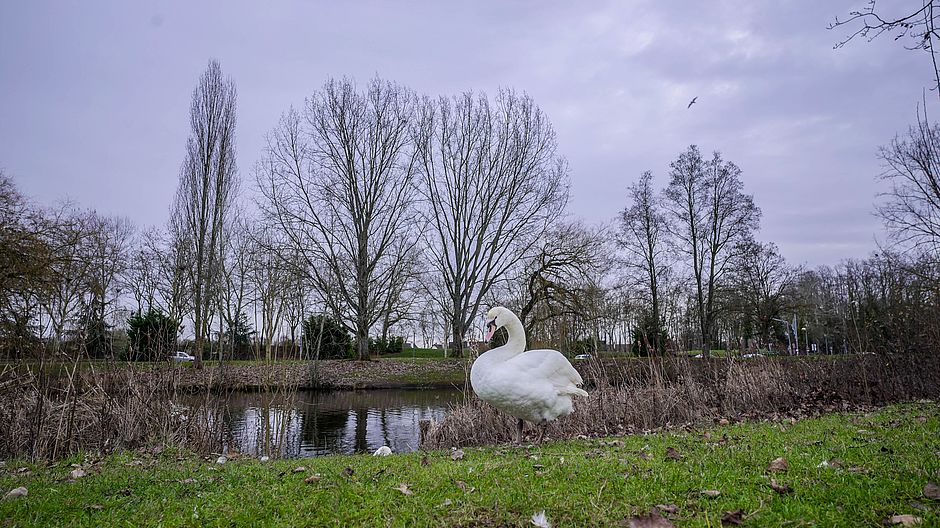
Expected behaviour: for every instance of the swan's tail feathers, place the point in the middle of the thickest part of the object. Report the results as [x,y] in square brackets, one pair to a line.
[574,391]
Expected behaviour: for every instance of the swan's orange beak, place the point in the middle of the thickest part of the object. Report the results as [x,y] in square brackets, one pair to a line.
[490,330]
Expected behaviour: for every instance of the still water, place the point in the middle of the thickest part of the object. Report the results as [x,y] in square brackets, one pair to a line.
[313,423]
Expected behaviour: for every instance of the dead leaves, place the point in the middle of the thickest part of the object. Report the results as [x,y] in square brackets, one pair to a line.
[778,464]
[667,508]
[313,479]
[425,461]
[780,487]
[16,493]
[300,469]
[836,463]
[673,454]
[76,474]
[404,489]
[932,491]
[457,454]
[904,520]
[653,520]
[732,518]
[348,471]
[711,493]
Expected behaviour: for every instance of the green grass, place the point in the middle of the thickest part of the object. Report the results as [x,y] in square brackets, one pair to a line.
[888,456]
[425,353]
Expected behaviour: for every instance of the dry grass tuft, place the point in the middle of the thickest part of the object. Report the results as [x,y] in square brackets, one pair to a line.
[644,394]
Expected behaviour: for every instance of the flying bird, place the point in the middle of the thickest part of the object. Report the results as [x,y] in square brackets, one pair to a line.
[692,102]
[534,385]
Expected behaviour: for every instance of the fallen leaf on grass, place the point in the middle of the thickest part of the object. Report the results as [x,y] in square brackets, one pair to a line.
[457,454]
[462,485]
[539,519]
[300,469]
[97,507]
[667,508]
[188,481]
[932,491]
[921,418]
[858,469]
[348,471]
[425,461]
[711,494]
[735,517]
[778,464]
[404,489]
[77,474]
[312,479]
[16,493]
[904,520]
[446,503]
[673,454]
[653,520]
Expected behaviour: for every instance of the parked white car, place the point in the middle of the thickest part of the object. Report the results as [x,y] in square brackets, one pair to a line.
[181,356]
[583,356]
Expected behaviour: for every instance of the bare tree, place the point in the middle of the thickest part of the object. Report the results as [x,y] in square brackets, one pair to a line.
[173,265]
[108,256]
[270,280]
[709,214]
[207,189]
[26,275]
[763,285]
[917,25]
[643,233]
[339,182]
[569,259]
[68,237]
[235,273]
[492,183]
[141,277]
[296,296]
[911,209]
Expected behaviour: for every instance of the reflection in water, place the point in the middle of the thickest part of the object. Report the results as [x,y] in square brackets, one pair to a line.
[310,423]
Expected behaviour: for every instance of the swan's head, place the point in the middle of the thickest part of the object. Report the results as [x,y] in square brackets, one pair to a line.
[496,318]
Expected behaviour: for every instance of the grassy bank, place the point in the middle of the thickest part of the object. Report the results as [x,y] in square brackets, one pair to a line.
[878,466]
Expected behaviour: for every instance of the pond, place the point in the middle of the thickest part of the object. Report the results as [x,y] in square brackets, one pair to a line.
[314,423]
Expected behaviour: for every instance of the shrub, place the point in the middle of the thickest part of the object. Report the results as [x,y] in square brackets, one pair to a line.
[152,335]
[582,346]
[644,343]
[326,334]
[391,345]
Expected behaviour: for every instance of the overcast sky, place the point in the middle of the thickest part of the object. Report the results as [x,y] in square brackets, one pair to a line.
[94,96]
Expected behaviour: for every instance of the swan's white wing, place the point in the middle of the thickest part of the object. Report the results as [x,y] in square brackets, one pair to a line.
[548,365]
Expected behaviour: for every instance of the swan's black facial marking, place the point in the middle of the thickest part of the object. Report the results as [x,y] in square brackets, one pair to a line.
[491,324]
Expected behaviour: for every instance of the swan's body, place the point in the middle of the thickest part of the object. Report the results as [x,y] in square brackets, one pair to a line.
[535,386]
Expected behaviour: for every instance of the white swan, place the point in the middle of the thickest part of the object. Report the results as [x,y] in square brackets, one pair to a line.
[535,386]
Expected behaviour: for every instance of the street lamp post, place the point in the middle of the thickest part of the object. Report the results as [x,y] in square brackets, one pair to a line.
[806,340]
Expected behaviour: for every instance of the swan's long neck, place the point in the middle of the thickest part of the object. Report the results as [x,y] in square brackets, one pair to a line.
[516,341]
